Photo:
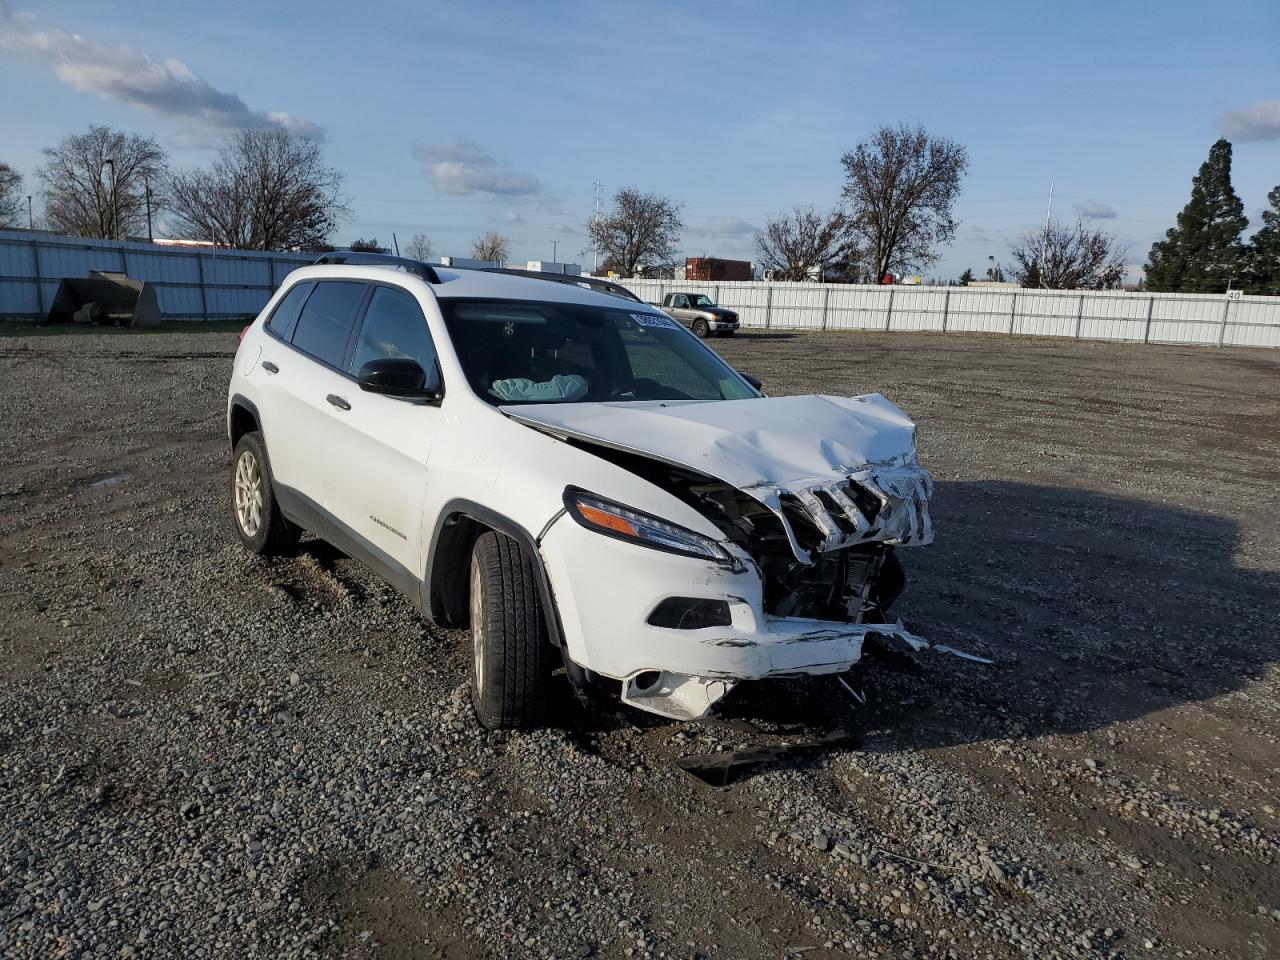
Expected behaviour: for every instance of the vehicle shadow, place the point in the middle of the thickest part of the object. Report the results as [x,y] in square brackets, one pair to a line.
[1097,610]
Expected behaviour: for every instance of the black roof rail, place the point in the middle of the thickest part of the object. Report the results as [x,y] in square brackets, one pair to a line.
[359,258]
[599,284]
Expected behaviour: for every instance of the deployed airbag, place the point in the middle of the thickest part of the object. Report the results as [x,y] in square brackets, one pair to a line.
[560,388]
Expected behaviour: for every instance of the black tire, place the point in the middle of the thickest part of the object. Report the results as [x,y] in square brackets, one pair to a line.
[273,534]
[512,662]
[700,329]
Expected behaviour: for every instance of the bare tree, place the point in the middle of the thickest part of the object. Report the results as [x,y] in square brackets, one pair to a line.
[267,190]
[795,245]
[420,247]
[901,186]
[100,183]
[641,231]
[1063,257]
[491,246]
[10,197]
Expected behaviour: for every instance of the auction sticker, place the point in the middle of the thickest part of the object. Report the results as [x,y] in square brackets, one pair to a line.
[654,320]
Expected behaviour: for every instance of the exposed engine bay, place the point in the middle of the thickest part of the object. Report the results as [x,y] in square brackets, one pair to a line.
[854,584]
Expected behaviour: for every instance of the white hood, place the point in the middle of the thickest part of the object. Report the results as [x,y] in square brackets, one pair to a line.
[809,447]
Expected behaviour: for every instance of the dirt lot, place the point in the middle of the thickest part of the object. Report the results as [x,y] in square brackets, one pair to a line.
[203,753]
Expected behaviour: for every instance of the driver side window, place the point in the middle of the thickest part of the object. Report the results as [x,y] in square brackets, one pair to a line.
[393,327]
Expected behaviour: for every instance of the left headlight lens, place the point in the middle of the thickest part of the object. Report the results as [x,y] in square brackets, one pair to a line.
[623,523]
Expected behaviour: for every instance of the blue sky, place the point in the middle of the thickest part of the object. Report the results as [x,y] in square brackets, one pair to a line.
[456,118]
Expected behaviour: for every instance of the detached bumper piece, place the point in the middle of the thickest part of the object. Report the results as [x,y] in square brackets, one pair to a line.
[831,648]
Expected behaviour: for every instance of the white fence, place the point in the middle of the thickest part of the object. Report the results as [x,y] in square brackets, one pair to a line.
[1093,315]
[204,284]
[208,284]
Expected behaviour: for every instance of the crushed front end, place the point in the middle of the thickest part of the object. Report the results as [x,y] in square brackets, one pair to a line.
[812,572]
[808,500]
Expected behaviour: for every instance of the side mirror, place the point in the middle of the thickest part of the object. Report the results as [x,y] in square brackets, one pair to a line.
[399,377]
[753,380]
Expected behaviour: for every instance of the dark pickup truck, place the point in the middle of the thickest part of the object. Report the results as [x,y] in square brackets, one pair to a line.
[700,314]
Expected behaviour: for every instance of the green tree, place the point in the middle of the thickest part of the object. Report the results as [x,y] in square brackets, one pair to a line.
[1264,249]
[1204,252]
[966,278]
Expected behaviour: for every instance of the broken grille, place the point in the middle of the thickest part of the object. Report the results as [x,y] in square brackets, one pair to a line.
[888,506]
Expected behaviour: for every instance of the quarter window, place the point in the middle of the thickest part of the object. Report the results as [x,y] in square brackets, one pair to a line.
[285,316]
[324,328]
[393,327]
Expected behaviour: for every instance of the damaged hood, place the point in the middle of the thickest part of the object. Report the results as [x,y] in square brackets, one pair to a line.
[811,448]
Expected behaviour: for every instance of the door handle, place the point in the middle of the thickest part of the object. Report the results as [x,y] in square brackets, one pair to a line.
[270,367]
[338,401]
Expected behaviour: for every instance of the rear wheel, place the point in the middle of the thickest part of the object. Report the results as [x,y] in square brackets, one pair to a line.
[511,665]
[261,526]
[700,328]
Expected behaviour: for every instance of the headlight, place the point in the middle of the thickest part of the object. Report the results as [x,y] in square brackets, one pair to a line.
[623,523]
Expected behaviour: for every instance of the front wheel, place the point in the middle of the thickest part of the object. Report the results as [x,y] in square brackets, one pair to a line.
[700,329]
[261,526]
[511,666]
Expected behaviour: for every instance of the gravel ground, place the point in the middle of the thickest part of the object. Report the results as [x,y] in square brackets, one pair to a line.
[204,753]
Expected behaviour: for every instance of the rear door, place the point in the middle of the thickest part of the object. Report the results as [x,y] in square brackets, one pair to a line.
[297,367]
[376,447]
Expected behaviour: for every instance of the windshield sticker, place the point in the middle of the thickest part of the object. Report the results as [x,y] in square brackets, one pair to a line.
[654,320]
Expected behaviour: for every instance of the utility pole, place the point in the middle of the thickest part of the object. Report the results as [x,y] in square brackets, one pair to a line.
[115,214]
[1044,247]
[553,251]
[595,250]
[31,221]
[146,183]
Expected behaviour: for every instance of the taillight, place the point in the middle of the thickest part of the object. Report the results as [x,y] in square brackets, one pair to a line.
[242,333]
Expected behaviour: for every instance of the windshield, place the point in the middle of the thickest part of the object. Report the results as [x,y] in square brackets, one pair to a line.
[517,351]
[702,300]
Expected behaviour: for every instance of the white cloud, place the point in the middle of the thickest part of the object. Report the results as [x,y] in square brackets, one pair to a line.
[723,227]
[464,167]
[1096,210]
[1260,120]
[119,72]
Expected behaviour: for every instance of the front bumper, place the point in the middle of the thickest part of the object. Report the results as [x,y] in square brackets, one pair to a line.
[717,325]
[605,590]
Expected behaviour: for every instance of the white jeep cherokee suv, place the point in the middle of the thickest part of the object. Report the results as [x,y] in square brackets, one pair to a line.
[573,475]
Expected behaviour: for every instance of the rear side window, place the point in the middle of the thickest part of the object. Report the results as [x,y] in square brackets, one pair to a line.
[393,327]
[285,316]
[324,328]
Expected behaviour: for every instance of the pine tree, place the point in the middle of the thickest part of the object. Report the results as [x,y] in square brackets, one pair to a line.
[1264,249]
[966,278]
[1204,252]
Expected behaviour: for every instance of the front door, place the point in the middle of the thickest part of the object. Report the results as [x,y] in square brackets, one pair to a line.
[376,447]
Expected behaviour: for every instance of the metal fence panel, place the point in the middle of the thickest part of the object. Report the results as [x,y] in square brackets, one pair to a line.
[1096,315]
[189,283]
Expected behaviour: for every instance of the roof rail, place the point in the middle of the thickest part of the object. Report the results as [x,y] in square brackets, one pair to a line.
[359,258]
[598,284]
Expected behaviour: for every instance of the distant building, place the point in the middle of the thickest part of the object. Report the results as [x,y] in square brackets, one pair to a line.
[553,266]
[713,268]
[469,263]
